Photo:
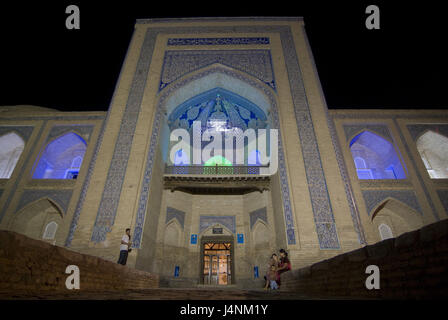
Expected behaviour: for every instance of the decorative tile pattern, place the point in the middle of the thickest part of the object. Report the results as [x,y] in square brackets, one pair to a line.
[417,129]
[218,104]
[115,176]
[258,214]
[52,117]
[215,19]
[23,131]
[172,213]
[216,41]
[83,130]
[327,234]
[85,186]
[381,130]
[208,221]
[443,195]
[257,63]
[351,201]
[374,197]
[317,186]
[61,197]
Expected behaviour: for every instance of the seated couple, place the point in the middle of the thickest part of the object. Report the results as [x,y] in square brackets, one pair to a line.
[276,268]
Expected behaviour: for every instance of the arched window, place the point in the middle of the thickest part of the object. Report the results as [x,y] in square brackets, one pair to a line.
[62,158]
[433,149]
[219,112]
[375,157]
[385,231]
[50,231]
[11,147]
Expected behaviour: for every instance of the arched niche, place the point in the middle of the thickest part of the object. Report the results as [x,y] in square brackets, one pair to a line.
[217,76]
[61,158]
[172,234]
[375,157]
[433,149]
[261,234]
[33,219]
[11,147]
[203,84]
[262,247]
[399,217]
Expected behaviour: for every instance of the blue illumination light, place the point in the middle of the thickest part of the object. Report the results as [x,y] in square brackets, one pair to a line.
[62,158]
[375,157]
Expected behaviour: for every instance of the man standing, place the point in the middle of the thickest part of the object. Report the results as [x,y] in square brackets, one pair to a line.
[124,247]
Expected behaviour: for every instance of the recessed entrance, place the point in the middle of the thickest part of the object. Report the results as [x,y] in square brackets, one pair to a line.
[217,260]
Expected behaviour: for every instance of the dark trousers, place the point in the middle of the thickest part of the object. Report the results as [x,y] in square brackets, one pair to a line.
[123,257]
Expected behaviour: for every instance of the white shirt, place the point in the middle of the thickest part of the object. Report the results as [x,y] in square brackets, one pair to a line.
[124,246]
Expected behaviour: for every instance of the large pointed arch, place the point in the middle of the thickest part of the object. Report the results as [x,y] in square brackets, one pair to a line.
[193,84]
[11,148]
[56,161]
[398,216]
[433,150]
[32,219]
[378,154]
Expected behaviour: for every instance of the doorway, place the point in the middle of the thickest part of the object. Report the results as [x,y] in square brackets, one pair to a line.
[217,261]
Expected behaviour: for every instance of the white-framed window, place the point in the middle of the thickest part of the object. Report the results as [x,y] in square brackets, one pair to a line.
[50,231]
[385,231]
[360,163]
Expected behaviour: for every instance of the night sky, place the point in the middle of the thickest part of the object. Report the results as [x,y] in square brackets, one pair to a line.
[402,65]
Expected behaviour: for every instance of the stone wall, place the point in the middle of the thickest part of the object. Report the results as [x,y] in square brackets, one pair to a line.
[28,264]
[414,265]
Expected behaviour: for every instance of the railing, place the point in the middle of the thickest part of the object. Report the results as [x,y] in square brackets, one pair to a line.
[213,170]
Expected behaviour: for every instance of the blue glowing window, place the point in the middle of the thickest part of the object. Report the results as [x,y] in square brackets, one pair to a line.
[375,157]
[61,158]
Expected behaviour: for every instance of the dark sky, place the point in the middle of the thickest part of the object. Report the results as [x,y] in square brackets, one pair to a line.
[402,65]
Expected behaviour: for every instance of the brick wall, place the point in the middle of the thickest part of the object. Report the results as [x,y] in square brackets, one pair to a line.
[413,265]
[28,264]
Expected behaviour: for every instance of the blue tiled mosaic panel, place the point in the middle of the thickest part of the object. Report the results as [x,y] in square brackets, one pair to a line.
[258,214]
[254,62]
[328,238]
[317,185]
[374,197]
[417,129]
[216,41]
[208,221]
[172,213]
[382,130]
[83,130]
[23,131]
[61,197]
